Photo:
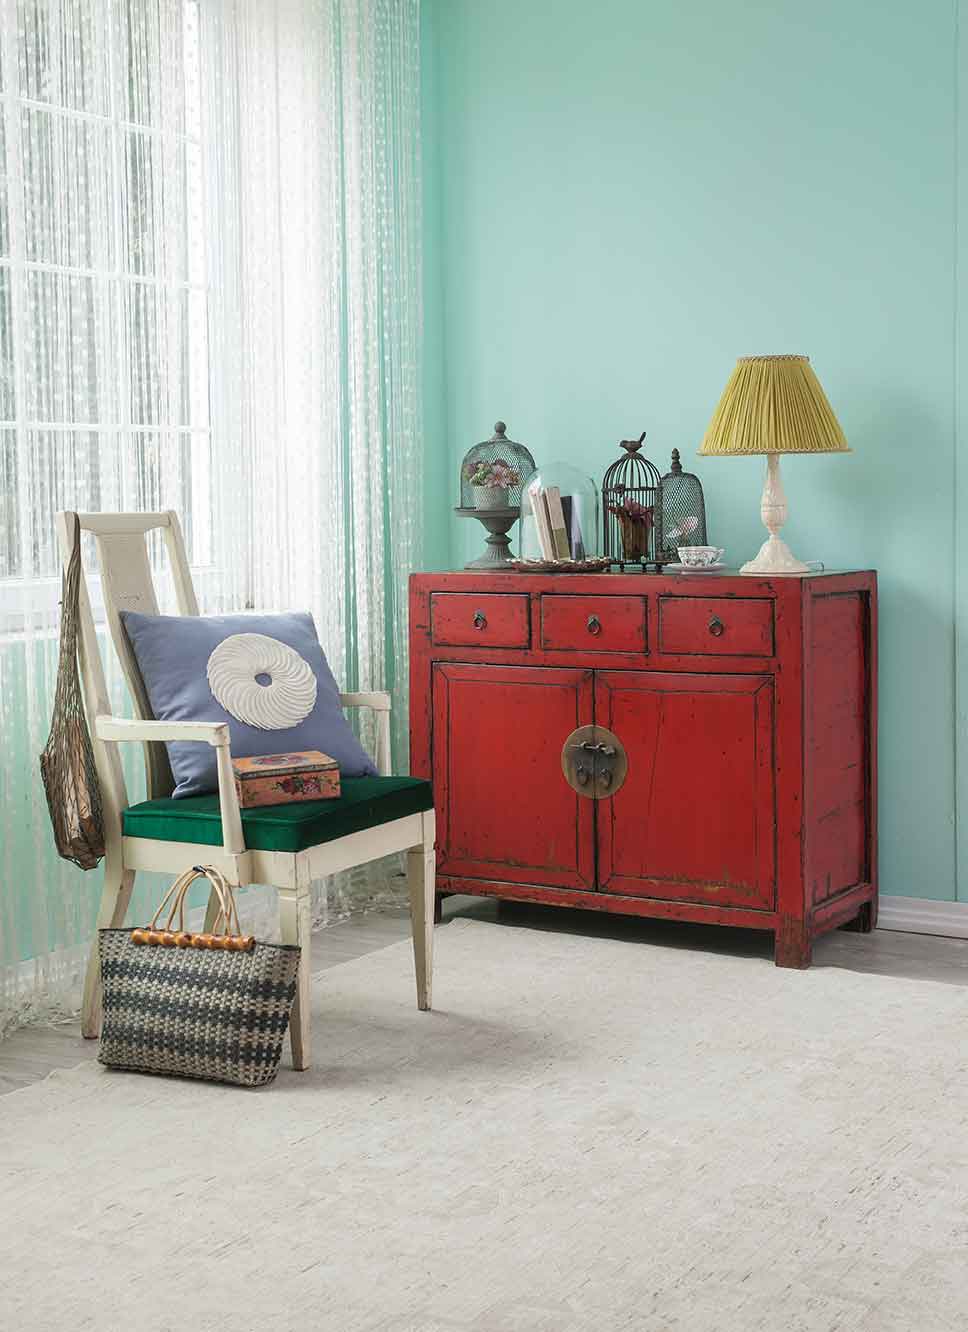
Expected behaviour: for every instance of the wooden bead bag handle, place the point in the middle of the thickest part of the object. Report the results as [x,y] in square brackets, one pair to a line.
[226,933]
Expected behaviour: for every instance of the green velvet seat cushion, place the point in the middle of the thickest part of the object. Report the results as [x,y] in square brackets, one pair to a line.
[365,802]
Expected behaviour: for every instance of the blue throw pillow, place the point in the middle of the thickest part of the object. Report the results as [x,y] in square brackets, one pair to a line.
[263,674]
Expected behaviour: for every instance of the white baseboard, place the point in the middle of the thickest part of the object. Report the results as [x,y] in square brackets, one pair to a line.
[921,915]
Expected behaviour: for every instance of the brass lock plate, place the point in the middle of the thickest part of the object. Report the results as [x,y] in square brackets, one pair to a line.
[594,762]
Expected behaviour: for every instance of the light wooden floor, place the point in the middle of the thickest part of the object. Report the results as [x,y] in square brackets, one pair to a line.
[28,1055]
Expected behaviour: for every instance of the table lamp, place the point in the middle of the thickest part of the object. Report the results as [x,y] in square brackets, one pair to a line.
[774,405]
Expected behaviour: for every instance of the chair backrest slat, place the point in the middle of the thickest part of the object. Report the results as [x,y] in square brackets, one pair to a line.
[124,522]
[181,572]
[128,586]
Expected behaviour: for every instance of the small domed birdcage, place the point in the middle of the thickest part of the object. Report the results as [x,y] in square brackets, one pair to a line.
[632,508]
[477,471]
[491,477]
[683,511]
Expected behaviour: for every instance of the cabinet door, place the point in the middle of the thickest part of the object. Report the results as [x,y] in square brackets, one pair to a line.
[694,820]
[505,811]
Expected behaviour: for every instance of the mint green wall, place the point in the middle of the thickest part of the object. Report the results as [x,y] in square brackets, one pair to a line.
[623,197]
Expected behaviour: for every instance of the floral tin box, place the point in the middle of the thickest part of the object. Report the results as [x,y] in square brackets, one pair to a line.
[280,779]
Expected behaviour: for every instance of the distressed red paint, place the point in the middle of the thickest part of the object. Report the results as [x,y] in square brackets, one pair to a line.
[747,708]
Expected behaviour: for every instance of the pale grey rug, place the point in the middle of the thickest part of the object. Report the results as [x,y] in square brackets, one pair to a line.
[587,1135]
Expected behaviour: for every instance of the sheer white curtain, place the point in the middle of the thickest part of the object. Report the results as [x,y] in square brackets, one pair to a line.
[210,301]
[312,167]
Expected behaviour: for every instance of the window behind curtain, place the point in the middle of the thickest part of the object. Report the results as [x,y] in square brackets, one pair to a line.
[310,116]
[103,298]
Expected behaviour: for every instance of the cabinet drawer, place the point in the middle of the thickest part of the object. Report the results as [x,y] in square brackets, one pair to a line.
[593,624]
[716,626]
[470,619]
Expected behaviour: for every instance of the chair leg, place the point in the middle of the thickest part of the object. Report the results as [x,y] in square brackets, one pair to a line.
[296,920]
[422,881]
[115,897]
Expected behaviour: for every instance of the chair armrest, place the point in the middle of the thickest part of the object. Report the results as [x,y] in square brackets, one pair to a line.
[215,734]
[379,702]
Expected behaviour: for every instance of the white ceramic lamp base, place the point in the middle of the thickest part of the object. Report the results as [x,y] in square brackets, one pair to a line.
[775,556]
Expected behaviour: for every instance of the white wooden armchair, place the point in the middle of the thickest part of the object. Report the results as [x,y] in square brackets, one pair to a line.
[161,834]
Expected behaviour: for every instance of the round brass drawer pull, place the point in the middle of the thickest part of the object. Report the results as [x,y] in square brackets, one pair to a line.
[594,762]
[480,620]
[716,627]
[594,625]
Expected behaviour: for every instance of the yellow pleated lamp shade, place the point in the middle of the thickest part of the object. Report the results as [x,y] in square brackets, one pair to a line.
[774,404]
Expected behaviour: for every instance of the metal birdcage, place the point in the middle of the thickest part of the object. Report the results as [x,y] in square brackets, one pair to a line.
[632,508]
[682,501]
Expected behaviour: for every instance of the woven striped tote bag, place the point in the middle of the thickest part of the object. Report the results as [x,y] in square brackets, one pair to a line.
[213,1006]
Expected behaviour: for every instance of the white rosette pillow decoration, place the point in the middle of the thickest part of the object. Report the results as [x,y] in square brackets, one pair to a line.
[265,675]
[262,682]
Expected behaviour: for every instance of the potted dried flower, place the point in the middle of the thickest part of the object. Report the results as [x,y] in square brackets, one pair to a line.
[635,521]
[491,483]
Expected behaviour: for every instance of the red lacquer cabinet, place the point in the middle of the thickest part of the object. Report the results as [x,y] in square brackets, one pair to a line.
[701,747]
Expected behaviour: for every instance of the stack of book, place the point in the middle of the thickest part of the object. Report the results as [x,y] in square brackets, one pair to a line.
[556,523]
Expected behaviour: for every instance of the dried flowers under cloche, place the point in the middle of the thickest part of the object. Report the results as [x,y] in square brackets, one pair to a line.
[491,483]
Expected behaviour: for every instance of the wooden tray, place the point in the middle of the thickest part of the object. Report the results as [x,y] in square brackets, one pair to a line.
[598,565]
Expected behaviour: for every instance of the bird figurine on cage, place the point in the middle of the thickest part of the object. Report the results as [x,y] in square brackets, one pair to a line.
[632,508]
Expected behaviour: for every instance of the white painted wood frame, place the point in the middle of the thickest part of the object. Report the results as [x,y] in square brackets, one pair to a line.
[122,554]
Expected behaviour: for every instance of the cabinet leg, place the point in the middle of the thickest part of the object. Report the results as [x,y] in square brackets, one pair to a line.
[793,947]
[865,920]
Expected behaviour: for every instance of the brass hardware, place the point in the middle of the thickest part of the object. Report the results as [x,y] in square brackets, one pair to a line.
[594,762]
[480,620]
[594,624]
[716,626]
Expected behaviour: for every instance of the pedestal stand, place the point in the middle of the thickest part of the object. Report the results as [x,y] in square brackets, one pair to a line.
[498,522]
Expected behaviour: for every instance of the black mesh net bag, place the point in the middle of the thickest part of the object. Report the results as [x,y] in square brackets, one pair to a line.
[67,763]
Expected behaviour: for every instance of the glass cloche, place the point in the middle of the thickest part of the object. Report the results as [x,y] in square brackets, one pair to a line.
[559,515]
